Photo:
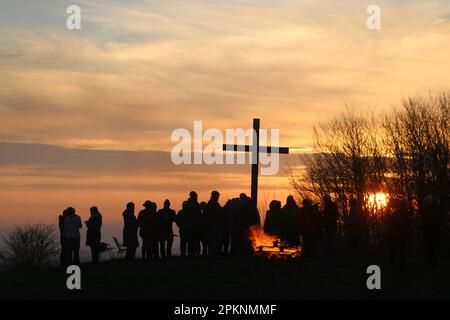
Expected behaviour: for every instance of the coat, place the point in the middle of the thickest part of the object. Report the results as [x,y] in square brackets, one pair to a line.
[272,224]
[130,229]
[193,219]
[214,221]
[71,227]
[93,234]
[330,216]
[168,217]
[289,219]
[309,221]
[150,225]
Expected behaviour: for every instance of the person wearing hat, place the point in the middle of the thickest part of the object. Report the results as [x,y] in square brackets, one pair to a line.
[144,224]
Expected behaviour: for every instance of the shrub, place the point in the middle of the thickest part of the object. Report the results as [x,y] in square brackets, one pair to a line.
[29,247]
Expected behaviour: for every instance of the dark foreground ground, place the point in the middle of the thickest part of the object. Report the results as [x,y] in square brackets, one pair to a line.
[341,277]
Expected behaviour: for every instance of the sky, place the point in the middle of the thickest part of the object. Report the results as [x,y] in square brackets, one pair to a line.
[86,115]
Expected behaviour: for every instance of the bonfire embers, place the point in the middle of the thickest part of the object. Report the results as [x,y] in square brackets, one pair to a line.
[270,246]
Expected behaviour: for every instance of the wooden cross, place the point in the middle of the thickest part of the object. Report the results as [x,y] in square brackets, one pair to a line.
[255,149]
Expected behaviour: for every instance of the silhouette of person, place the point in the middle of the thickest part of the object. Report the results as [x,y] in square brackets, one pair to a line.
[289,222]
[71,235]
[237,227]
[330,216]
[193,224]
[181,224]
[309,227]
[130,229]
[214,224]
[226,238]
[63,253]
[272,224]
[245,216]
[431,229]
[155,226]
[250,210]
[168,217]
[204,230]
[93,233]
[355,225]
[397,221]
[145,230]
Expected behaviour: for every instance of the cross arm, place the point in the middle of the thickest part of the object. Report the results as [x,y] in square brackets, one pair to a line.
[247,148]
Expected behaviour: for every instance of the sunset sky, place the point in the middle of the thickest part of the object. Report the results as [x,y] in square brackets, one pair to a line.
[86,115]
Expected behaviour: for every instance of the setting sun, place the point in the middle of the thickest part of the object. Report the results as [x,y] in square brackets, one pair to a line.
[377,200]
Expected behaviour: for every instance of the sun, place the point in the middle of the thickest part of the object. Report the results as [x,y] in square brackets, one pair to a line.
[377,200]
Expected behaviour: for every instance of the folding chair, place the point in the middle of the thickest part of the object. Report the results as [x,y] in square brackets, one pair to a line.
[106,247]
[120,248]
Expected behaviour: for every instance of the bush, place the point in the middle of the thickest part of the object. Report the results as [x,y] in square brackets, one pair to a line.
[29,247]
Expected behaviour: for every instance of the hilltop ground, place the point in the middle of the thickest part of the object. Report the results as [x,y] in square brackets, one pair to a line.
[227,278]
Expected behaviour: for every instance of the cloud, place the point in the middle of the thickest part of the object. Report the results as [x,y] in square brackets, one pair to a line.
[32,159]
[39,180]
[94,109]
[137,66]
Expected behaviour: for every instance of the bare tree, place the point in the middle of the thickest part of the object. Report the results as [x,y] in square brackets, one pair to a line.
[418,138]
[405,153]
[348,160]
[29,247]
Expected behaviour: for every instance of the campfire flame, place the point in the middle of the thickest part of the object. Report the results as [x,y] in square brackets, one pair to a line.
[270,245]
[260,238]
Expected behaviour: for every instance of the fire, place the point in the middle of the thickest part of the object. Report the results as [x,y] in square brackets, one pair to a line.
[259,238]
[270,245]
[377,200]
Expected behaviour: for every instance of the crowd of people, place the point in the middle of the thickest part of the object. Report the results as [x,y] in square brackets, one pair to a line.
[204,229]
[210,229]
[291,223]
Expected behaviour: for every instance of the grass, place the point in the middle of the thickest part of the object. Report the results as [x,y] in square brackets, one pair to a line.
[340,277]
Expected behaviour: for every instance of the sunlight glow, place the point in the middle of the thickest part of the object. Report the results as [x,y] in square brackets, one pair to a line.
[377,200]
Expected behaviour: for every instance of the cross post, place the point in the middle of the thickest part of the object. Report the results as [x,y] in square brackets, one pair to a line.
[255,149]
